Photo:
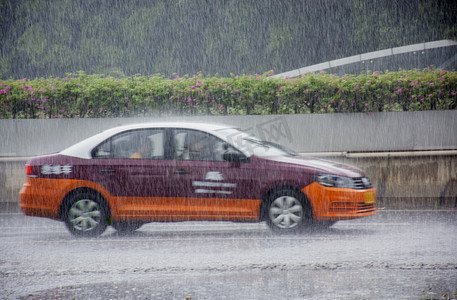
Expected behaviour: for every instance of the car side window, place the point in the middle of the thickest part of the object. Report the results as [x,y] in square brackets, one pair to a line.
[198,145]
[146,144]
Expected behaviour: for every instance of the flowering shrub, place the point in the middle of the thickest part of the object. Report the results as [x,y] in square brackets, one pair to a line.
[80,95]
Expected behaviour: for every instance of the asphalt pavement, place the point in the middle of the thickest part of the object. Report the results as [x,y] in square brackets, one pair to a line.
[393,255]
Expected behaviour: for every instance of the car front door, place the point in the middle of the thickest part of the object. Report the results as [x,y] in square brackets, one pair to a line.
[204,185]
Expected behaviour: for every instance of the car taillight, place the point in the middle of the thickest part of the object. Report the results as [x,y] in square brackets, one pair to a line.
[29,171]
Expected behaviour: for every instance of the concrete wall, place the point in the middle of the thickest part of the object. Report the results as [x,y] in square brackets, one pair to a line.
[397,131]
[393,148]
[409,180]
[11,179]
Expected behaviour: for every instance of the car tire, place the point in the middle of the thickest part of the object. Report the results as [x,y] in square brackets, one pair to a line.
[287,210]
[126,226]
[86,214]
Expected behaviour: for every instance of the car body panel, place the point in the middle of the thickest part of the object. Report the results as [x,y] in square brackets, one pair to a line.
[44,196]
[340,203]
[172,189]
[167,209]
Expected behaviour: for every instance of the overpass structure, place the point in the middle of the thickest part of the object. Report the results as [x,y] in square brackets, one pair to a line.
[442,54]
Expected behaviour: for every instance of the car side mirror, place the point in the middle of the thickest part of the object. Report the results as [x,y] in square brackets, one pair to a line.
[233,157]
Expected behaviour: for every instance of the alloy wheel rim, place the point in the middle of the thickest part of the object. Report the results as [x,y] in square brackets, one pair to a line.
[85,215]
[286,212]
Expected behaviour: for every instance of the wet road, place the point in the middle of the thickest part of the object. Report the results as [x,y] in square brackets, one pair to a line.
[401,255]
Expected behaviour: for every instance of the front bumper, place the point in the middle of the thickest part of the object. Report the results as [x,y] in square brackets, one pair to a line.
[330,203]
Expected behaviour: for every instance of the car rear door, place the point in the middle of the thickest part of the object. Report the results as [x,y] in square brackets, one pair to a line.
[133,168]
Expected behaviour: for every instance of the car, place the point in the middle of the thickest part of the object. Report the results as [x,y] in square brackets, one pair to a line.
[166,172]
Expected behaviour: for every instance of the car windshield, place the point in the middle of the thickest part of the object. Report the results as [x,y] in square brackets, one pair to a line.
[252,145]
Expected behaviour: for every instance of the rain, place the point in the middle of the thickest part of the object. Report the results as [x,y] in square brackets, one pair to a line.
[41,38]
[370,84]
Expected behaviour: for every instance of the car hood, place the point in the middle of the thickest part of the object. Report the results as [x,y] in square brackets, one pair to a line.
[320,165]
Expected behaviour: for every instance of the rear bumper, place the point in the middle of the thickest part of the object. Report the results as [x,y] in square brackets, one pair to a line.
[340,203]
[37,200]
[41,197]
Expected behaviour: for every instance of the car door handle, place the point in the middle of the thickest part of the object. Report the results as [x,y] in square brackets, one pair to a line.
[108,171]
[180,172]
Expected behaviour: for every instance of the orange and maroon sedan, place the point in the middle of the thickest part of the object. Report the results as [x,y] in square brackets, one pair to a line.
[164,172]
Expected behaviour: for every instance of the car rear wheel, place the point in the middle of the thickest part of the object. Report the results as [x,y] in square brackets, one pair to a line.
[86,214]
[287,210]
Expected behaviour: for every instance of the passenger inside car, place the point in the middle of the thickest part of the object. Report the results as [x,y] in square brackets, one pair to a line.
[143,146]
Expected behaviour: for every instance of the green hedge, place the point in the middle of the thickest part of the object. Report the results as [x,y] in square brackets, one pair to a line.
[80,95]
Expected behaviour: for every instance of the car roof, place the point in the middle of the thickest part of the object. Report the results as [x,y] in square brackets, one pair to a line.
[83,149]
[209,127]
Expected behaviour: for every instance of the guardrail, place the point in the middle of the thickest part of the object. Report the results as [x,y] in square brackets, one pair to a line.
[366,57]
[356,132]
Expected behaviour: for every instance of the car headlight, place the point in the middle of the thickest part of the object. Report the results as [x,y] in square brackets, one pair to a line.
[334,181]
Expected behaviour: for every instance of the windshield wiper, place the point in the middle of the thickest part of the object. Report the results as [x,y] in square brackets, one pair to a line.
[280,147]
[258,142]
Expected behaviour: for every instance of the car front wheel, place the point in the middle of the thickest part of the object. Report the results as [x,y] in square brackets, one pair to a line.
[86,214]
[287,210]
